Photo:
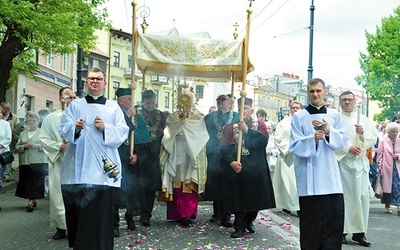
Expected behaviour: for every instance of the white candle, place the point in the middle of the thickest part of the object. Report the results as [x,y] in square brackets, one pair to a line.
[358,121]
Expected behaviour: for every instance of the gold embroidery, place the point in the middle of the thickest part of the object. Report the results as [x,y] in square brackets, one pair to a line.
[254,126]
[221,128]
[153,129]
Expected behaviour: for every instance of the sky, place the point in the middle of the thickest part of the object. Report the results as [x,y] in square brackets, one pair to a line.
[279,35]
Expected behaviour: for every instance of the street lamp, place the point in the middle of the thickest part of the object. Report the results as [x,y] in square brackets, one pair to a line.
[310,54]
[79,82]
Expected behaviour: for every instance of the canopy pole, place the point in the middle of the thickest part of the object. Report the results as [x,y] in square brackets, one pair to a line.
[143,80]
[233,91]
[144,28]
[235,36]
[133,80]
[243,92]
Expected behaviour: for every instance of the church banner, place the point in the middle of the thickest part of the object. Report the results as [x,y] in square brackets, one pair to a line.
[190,57]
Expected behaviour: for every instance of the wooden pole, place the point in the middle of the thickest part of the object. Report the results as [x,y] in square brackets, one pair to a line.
[243,91]
[233,91]
[133,80]
[235,36]
[144,28]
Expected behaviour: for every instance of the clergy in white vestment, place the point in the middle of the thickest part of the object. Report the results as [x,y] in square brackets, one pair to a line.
[184,161]
[354,168]
[284,180]
[316,133]
[94,128]
[271,149]
[54,147]
[272,154]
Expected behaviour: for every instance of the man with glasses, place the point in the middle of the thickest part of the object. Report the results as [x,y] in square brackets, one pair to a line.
[94,128]
[354,169]
[316,133]
[54,147]
[216,123]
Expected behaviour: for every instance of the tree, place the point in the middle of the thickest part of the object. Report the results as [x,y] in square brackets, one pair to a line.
[28,27]
[381,66]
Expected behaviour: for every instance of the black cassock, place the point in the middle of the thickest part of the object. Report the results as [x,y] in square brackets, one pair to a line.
[215,122]
[131,194]
[251,189]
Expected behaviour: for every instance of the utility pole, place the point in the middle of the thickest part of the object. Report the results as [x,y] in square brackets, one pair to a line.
[310,53]
[79,83]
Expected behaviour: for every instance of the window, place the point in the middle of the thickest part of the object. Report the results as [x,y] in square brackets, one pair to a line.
[116,85]
[166,100]
[95,63]
[116,58]
[28,103]
[65,63]
[50,59]
[129,61]
[156,92]
[199,92]
[49,105]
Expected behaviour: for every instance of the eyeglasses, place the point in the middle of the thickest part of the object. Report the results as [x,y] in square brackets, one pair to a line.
[347,99]
[95,79]
[69,97]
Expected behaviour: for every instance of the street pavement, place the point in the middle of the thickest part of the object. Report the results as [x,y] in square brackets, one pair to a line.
[274,230]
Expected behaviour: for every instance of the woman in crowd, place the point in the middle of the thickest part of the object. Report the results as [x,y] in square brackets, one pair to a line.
[389,167]
[5,140]
[33,163]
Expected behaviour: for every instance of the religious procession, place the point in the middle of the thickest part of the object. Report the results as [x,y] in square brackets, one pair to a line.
[110,169]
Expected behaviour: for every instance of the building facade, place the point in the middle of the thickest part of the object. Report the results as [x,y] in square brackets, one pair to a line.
[113,54]
[30,94]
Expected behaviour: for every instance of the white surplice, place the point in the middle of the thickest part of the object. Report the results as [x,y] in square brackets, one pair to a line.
[84,164]
[51,141]
[5,136]
[316,167]
[354,171]
[5,139]
[284,181]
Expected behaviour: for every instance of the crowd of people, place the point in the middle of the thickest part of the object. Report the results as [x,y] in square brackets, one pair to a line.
[315,163]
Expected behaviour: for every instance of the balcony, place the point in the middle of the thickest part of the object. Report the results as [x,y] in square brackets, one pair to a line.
[159,80]
[128,73]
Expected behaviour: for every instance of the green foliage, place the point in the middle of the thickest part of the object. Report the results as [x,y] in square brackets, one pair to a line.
[47,26]
[25,64]
[54,25]
[381,66]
